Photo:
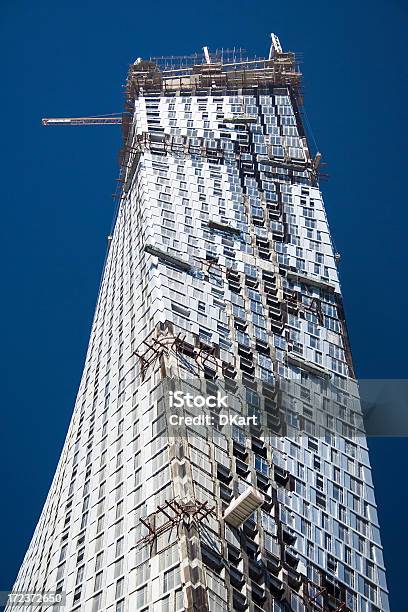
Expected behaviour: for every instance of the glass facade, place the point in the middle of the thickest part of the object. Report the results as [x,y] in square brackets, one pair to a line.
[220,267]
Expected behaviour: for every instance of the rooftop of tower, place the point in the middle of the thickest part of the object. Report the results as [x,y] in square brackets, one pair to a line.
[212,72]
[224,56]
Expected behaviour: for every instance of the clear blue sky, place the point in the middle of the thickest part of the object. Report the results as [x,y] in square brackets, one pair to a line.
[70,59]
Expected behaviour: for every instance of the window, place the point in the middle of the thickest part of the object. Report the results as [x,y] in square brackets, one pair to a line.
[63,553]
[80,574]
[260,334]
[165,604]
[119,567]
[261,465]
[305,527]
[171,579]
[370,591]
[331,564]
[320,500]
[342,513]
[102,488]
[349,576]
[97,602]
[120,606]
[119,509]
[141,596]
[337,493]
[84,520]
[250,270]
[179,601]
[243,339]
[120,587]
[77,594]
[98,581]
[238,435]
[80,556]
[119,547]
[98,561]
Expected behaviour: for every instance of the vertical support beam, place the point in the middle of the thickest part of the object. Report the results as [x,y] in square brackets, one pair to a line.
[191,565]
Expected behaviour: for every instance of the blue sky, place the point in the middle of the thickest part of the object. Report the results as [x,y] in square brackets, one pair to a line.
[70,59]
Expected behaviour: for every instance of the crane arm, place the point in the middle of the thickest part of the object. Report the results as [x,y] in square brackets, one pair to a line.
[103,120]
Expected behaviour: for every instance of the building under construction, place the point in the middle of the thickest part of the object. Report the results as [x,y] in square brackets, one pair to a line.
[220,275]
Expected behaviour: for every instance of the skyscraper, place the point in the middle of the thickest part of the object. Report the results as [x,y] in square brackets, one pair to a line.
[220,289]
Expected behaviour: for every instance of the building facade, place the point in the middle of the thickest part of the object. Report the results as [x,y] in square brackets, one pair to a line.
[220,272]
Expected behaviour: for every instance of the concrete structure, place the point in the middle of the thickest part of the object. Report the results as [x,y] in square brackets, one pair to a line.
[220,270]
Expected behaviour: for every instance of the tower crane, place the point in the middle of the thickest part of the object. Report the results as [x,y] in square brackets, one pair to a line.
[113,119]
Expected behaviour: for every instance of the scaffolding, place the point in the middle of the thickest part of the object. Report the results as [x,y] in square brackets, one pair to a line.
[193,74]
[199,358]
[187,514]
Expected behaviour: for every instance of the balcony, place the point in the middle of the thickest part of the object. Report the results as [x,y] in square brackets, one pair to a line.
[256,570]
[240,450]
[288,536]
[262,482]
[210,558]
[258,447]
[223,474]
[236,578]
[273,563]
[267,505]
[281,476]
[242,468]
[258,593]
[239,601]
[250,528]
[225,493]
[276,586]
[252,549]
[234,554]
[291,557]
[294,579]
[262,347]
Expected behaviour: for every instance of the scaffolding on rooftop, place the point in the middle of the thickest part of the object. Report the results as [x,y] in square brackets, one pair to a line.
[236,54]
[224,70]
